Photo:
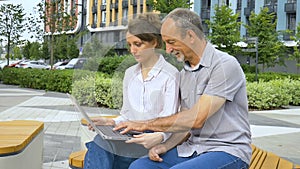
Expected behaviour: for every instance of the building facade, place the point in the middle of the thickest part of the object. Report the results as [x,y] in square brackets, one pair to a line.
[106,20]
[285,10]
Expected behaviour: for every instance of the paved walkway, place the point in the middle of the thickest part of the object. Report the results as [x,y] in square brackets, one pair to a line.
[277,131]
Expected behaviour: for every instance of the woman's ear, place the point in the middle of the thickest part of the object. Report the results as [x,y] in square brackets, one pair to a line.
[155,43]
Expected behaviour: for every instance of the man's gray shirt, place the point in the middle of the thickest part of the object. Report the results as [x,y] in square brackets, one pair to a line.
[228,130]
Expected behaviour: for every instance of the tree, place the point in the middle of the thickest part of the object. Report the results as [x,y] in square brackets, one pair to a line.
[166,6]
[296,54]
[17,53]
[225,29]
[57,21]
[32,51]
[270,48]
[35,51]
[12,20]
[65,47]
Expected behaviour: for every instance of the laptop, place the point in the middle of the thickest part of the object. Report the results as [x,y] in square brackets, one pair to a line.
[106,132]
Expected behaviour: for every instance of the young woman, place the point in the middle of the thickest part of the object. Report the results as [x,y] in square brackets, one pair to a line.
[150,90]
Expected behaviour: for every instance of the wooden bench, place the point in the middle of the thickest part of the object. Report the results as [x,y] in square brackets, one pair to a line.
[260,160]
[21,144]
[267,160]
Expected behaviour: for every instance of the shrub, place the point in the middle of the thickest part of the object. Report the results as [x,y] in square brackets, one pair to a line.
[53,80]
[98,89]
[248,68]
[272,94]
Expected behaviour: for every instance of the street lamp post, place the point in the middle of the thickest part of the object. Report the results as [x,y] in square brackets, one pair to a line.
[81,26]
[253,40]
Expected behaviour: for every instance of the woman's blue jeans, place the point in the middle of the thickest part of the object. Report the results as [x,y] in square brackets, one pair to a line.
[209,160]
[98,158]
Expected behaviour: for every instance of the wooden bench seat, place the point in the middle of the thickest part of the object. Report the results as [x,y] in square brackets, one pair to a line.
[21,144]
[260,160]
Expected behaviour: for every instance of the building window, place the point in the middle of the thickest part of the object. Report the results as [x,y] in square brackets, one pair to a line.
[95,18]
[270,2]
[206,4]
[103,20]
[291,1]
[239,4]
[291,22]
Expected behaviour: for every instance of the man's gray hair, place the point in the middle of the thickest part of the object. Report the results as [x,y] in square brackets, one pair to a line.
[186,20]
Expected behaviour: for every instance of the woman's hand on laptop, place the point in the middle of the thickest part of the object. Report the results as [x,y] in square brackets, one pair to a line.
[101,121]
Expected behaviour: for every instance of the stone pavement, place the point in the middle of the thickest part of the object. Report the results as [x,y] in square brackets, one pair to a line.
[277,131]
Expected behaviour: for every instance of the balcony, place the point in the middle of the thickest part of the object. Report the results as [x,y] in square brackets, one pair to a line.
[124,22]
[94,9]
[102,24]
[112,6]
[103,7]
[290,7]
[84,11]
[205,14]
[125,4]
[133,2]
[239,10]
[272,8]
[247,11]
[287,36]
[115,23]
[94,25]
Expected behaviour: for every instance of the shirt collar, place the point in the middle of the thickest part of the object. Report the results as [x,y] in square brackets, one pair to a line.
[205,59]
[155,70]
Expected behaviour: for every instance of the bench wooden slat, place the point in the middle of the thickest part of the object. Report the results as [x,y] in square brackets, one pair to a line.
[284,164]
[76,159]
[259,159]
[271,161]
[255,151]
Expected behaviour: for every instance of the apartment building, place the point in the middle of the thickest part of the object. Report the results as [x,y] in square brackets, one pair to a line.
[286,11]
[105,20]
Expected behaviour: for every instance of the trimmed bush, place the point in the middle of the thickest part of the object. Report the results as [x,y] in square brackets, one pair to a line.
[273,94]
[53,80]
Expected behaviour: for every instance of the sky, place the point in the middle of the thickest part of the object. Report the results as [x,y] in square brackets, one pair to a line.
[28,8]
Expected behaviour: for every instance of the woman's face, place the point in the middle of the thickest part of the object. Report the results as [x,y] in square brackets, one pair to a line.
[141,50]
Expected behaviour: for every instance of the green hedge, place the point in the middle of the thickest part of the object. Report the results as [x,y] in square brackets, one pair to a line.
[267,76]
[273,94]
[95,88]
[52,80]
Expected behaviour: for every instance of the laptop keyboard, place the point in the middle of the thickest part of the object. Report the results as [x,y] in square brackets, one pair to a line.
[108,130]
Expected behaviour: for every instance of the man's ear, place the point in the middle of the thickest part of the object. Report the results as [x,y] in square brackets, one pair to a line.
[191,35]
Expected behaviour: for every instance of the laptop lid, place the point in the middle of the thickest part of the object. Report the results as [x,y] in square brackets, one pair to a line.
[106,132]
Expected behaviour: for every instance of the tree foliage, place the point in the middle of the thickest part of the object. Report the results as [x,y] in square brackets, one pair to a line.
[57,22]
[225,29]
[270,49]
[12,21]
[166,6]
[65,47]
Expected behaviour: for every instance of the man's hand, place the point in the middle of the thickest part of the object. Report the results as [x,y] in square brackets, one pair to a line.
[148,140]
[155,151]
[101,121]
[131,125]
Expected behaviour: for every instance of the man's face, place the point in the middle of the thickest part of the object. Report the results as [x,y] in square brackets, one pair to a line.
[175,43]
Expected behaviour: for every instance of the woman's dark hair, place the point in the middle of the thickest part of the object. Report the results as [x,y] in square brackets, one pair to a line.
[147,28]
